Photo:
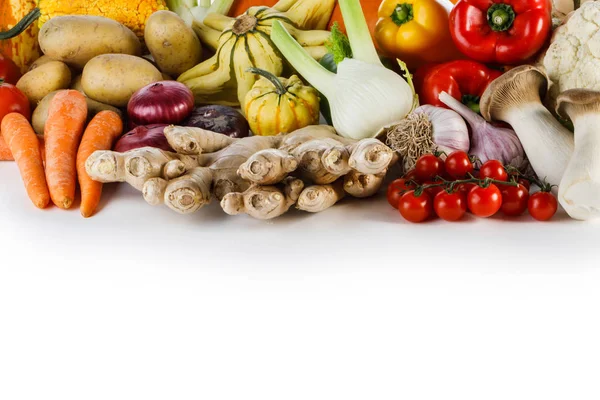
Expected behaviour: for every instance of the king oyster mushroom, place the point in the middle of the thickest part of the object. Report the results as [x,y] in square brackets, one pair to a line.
[515,98]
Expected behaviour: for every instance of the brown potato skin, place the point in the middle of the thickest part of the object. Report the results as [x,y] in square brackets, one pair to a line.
[76,39]
[113,78]
[173,45]
[46,78]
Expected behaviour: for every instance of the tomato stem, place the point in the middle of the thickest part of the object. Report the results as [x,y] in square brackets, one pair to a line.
[402,14]
[449,186]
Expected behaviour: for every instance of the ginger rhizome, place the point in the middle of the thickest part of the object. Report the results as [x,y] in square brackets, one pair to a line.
[261,176]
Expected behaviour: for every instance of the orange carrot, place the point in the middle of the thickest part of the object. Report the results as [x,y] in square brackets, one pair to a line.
[25,147]
[5,154]
[66,119]
[100,134]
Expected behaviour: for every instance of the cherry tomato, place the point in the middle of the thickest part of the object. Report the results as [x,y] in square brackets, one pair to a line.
[458,164]
[514,200]
[524,182]
[465,188]
[415,208]
[428,166]
[396,189]
[9,71]
[13,100]
[411,175]
[433,191]
[542,206]
[484,202]
[493,169]
[450,206]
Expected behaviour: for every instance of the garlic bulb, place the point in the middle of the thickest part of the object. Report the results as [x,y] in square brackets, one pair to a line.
[427,129]
[489,142]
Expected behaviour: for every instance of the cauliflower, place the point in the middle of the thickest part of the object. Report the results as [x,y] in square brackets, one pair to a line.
[573,58]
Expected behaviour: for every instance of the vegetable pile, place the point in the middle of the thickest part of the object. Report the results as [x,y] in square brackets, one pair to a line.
[481,107]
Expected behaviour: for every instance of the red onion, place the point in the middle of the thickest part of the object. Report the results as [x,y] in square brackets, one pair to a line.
[164,102]
[143,136]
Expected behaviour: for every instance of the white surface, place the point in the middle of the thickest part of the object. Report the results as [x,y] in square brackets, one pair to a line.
[354,303]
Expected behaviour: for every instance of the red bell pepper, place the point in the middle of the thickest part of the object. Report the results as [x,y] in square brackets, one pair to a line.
[501,31]
[462,79]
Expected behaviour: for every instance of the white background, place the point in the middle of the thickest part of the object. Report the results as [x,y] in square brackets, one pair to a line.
[354,303]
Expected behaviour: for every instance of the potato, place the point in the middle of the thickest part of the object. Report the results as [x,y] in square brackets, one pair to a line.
[76,84]
[174,45]
[113,78]
[46,78]
[76,39]
[40,114]
[40,61]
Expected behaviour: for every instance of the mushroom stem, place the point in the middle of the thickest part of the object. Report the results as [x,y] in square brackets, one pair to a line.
[546,142]
[515,98]
[579,190]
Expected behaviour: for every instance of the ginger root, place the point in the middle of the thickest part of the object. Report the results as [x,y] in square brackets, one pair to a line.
[361,185]
[370,156]
[267,167]
[264,202]
[318,198]
[135,166]
[194,141]
[249,175]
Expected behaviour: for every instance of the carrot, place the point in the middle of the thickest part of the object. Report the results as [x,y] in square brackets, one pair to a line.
[5,154]
[25,147]
[66,119]
[100,134]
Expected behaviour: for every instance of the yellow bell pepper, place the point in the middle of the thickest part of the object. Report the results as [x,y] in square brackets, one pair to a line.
[415,31]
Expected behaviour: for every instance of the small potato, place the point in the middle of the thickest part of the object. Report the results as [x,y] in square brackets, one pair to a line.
[40,114]
[113,78]
[76,39]
[46,78]
[174,45]
[40,61]
[76,84]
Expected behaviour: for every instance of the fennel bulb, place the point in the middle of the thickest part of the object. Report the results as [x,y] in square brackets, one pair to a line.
[196,10]
[364,96]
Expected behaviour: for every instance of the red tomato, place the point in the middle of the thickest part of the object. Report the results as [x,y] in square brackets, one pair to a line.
[465,188]
[13,100]
[458,164]
[493,169]
[415,208]
[525,183]
[450,206]
[396,189]
[433,191]
[411,175]
[485,202]
[542,206]
[514,200]
[9,71]
[428,166]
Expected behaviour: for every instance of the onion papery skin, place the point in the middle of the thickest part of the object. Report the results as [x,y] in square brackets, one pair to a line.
[164,102]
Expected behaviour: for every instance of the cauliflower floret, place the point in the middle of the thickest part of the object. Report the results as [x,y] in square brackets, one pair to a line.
[573,58]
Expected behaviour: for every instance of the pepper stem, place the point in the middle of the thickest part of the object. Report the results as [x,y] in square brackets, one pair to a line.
[472,102]
[21,25]
[402,14]
[281,90]
[500,17]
